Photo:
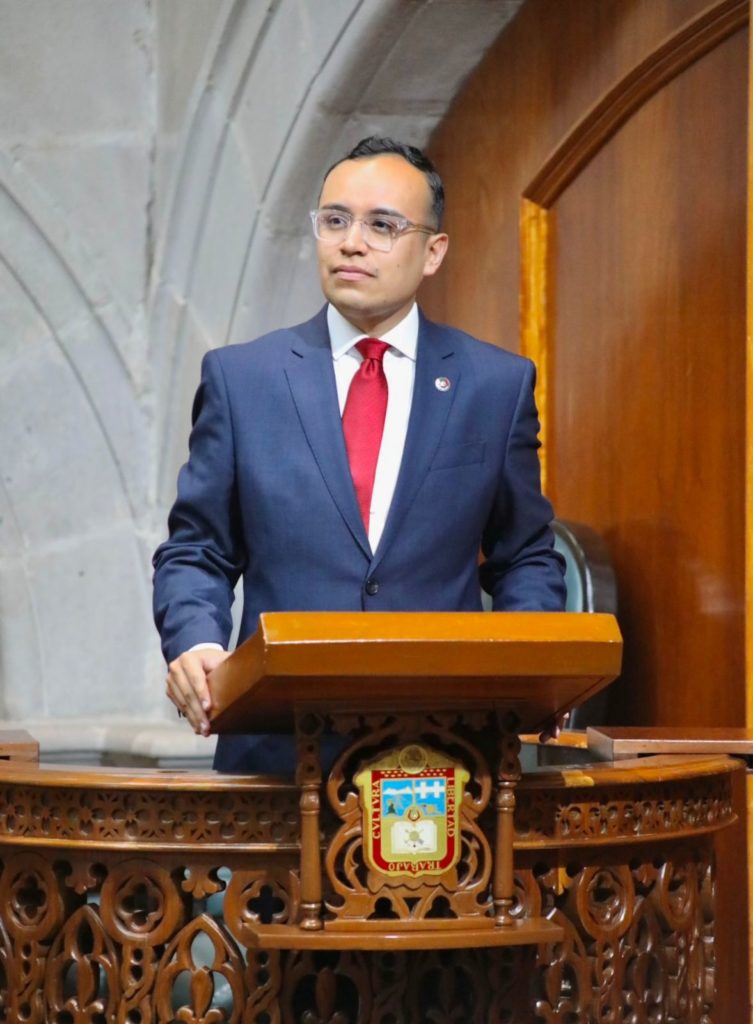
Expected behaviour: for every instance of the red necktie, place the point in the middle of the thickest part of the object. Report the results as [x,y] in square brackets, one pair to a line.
[363,420]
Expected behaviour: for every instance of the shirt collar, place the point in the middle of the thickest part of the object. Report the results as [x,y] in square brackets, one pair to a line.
[343,335]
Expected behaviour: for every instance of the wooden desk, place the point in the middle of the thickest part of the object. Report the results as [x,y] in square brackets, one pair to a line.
[130,894]
[735,865]
[609,743]
[18,745]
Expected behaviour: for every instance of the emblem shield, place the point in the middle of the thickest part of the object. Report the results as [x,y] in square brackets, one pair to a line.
[411,800]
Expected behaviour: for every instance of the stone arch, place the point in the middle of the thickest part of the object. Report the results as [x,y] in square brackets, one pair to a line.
[284,90]
[96,378]
[70,489]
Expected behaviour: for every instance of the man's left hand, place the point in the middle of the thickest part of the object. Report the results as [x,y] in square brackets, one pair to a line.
[554,727]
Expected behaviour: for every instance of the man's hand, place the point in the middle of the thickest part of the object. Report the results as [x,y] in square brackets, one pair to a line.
[187,685]
[554,727]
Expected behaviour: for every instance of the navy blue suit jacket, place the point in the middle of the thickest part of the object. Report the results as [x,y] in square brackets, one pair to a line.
[267,494]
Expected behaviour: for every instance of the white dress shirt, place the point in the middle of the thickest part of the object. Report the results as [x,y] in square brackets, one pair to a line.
[400,371]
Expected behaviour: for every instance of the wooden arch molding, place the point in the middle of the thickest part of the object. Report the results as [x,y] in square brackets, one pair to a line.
[589,135]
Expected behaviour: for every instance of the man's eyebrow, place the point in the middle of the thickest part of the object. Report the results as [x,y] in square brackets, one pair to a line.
[386,211]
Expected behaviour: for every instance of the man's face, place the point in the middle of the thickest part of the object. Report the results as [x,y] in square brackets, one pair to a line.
[374,290]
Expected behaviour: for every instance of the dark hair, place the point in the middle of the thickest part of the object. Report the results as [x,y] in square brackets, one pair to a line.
[376,145]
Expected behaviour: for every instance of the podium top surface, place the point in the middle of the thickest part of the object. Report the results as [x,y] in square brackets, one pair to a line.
[536,663]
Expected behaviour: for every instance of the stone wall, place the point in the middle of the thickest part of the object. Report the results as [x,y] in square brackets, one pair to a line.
[157,160]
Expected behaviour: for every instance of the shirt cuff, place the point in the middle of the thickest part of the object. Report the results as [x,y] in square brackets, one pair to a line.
[208,646]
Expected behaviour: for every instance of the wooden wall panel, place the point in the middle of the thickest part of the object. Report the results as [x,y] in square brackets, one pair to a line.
[647,343]
[551,64]
[644,336]
[647,412]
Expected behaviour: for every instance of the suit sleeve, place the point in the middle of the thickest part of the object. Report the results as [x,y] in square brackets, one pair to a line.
[522,571]
[197,567]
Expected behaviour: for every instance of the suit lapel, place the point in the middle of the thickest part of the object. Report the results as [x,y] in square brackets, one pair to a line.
[435,361]
[312,383]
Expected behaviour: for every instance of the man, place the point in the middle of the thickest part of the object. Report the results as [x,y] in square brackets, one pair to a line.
[334,473]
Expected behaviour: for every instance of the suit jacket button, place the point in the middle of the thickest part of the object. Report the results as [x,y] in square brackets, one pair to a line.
[372,587]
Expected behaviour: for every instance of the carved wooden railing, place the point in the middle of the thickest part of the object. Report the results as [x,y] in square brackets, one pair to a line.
[138,896]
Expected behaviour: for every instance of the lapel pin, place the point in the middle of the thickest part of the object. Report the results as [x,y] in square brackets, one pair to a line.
[442,384]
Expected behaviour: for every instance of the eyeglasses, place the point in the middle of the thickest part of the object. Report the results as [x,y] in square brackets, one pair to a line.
[378,230]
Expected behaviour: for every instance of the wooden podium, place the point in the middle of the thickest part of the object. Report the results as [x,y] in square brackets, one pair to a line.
[428,707]
[580,893]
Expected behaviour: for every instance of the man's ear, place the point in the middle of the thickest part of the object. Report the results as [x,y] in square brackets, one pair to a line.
[436,247]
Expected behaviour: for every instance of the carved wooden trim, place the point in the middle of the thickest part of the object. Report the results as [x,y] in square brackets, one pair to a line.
[114,818]
[358,891]
[618,858]
[308,731]
[148,819]
[166,931]
[622,813]
[124,939]
[695,39]
[537,307]
[749,444]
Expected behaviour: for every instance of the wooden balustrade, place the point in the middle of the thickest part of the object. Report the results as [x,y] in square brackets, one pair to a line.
[139,896]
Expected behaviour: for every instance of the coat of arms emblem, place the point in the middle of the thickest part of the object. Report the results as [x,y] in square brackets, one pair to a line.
[411,801]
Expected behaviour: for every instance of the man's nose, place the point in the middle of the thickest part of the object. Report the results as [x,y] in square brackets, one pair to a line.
[352,240]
